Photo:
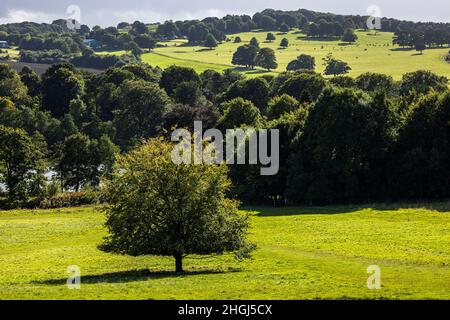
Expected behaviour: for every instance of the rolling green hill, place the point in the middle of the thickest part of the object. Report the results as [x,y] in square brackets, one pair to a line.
[303,253]
[372,52]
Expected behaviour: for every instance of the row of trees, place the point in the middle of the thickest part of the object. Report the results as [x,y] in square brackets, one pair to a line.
[431,37]
[35,35]
[65,43]
[75,122]
[53,43]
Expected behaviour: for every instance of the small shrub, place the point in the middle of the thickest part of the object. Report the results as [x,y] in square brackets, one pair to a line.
[70,199]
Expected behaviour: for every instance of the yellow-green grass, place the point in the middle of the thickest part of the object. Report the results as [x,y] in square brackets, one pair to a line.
[116,53]
[372,52]
[303,253]
[13,53]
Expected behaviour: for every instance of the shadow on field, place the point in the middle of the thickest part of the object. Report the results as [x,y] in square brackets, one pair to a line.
[344,209]
[414,49]
[204,50]
[133,276]
[298,211]
[248,71]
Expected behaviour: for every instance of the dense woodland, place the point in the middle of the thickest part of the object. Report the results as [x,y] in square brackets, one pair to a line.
[342,139]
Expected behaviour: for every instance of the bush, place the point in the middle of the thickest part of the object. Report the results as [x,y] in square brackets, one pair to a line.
[43,57]
[102,62]
[10,204]
[70,199]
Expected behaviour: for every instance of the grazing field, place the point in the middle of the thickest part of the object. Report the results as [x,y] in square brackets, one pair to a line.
[372,52]
[303,253]
[12,53]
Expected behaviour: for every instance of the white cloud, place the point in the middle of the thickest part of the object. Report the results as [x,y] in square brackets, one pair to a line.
[18,15]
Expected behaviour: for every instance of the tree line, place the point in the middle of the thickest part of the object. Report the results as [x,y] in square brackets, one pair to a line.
[342,139]
[429,37]
[55,42]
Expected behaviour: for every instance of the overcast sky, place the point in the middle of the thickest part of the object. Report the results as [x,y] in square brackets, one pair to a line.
[110,12]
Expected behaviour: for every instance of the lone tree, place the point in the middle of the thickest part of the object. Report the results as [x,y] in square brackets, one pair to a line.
[304,62]
[254,42]
[156,207]
[211,42]
[271,37]
[237,39]
[335,67]
[266,59]
[419,45]
[349,36]
[245,56]
[284,43]
[145,41]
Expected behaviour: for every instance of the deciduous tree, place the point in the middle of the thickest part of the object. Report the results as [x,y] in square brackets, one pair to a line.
[156,207]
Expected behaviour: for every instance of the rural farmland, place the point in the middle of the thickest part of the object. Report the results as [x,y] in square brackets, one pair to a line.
[154,152]
[373,52]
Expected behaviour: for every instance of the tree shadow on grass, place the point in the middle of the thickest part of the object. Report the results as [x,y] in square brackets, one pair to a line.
[298,211]
[402,49]
[204,50]
[134,276]
[414,49]
[443,206]
[249,71]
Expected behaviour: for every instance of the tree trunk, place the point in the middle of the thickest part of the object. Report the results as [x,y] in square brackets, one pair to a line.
[178,263]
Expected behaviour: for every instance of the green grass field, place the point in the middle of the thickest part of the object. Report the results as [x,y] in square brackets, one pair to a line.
[372,52]
[303,253]
[13,53]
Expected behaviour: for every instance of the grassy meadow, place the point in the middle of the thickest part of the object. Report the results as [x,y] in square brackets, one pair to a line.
[373,52]
[303,253]
[12,53]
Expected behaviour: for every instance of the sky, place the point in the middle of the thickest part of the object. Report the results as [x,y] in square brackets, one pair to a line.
[110,12]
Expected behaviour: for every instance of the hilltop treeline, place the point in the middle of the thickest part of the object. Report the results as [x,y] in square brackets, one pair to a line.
[342,139]
[312,23]
[57,41]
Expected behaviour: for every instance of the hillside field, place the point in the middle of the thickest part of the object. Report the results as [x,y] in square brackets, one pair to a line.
[373,52]
[303,253]
[13,53]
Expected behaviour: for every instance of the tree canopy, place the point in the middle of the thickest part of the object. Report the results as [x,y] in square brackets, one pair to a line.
[267,59]
[158,207]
